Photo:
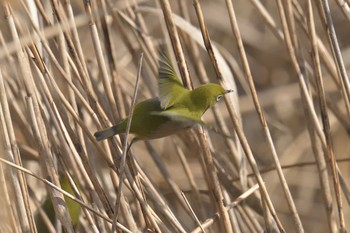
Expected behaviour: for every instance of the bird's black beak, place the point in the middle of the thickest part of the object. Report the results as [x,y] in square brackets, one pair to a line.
[228,91]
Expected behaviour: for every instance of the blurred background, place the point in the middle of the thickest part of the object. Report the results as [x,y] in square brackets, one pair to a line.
[69,69]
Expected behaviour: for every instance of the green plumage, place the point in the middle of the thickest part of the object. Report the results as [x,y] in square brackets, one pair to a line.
[73,208]
[175,109]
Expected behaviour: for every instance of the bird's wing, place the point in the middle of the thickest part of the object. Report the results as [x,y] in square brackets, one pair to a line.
[170,87]
[185,117]
[181,115]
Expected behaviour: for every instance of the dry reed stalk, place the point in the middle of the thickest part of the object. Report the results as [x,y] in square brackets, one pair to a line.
[12,176]
[125,146]
[165,173]
[324,178]
[51,185]
[346,95]
[296,65]
[83,156]
[238,200]
[237,157]
[326,58]
[43,215]
[192,181]
[142,34]
[321,94]
[232,213]
[265,127]
[214,183]
[12,154]
[344,79]
[81,153]
[101,61]
[175,42]
[39,130]
[192,212]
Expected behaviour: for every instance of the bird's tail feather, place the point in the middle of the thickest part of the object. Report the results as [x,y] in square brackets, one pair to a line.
[107,133]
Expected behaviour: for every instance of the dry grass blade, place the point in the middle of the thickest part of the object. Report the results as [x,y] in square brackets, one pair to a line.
[39,130]
[14,177]
[193,213]
[345,83]
[322,101]
[213,180]
[175,41]
[346,92]
[265,127]
[238,200]
[101,62]
[126,147]
[63,192]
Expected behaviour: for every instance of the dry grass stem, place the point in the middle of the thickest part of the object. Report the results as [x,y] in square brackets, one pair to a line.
[346,92]
[265,127]
[125,146]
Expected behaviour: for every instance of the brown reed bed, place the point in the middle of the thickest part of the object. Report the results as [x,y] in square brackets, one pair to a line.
[69,68]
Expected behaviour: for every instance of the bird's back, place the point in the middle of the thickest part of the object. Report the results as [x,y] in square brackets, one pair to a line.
[148,123]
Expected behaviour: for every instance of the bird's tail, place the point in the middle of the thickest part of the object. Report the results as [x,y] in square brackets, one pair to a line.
[107,133]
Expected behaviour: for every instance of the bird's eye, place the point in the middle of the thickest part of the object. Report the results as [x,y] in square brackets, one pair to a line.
[218,98]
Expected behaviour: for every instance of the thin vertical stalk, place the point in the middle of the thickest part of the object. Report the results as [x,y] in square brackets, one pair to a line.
[39,130]
[18,182]
[14,182]
[322,101]
[101,61]
[9,207]
[175,41]
[344,79]
[192,182]
[321,163]
[53,186]
[126,148]
[214,183]
[266,130]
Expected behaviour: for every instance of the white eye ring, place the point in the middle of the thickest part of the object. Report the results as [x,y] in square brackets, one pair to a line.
[218,98]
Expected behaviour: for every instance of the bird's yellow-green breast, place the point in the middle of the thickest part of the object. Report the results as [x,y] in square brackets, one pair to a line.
[176,108]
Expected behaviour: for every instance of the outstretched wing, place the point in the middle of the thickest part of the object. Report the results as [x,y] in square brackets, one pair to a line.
[187,119]
[182,116]
[170,87]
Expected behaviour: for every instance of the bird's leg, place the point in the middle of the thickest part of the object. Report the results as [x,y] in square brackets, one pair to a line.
[131,143]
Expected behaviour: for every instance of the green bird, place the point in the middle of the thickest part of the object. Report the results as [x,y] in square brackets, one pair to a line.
[74,208]
[176,108]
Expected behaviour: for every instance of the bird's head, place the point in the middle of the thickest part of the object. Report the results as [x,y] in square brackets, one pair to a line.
[208,95]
